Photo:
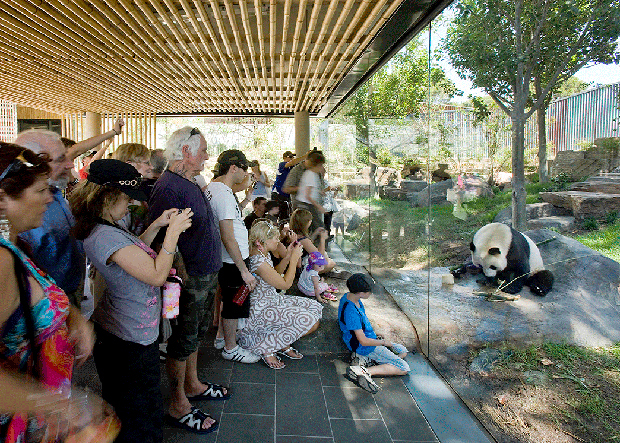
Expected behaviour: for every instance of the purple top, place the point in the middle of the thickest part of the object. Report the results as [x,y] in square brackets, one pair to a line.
[200,244]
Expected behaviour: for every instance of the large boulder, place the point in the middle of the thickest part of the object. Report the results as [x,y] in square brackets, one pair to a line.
[533,211]
[584,204]
[434,194]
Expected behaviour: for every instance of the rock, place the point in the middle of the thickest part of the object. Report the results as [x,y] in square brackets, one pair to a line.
[484,362]
[354,223]
[357,189]
[477,187]
[536,378]
[533,211]
[489,330]
[459,351]
[605,187]
[440,173]
[436,196]
[584,204]
[561,223]
[413,185]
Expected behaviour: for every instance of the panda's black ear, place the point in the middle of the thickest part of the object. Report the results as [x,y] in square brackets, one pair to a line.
[472,246]
[494,251]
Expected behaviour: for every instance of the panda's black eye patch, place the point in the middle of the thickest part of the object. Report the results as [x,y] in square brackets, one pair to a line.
[494,251]
[493,267]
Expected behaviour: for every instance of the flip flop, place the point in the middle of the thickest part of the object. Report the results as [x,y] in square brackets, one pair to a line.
[271,365]
[213,392]
[333,289]
[284,352]
[192,422]
[329,296]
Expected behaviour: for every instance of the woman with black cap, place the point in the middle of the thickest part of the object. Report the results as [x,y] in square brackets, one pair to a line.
[127,317]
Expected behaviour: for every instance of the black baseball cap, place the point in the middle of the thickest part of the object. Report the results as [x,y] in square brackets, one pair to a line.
[230,157]
[119,175]
[359,283]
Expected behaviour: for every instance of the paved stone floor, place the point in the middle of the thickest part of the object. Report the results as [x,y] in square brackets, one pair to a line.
[308,401]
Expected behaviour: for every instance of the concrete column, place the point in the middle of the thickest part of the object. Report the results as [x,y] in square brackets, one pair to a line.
[92,125]
[302,132]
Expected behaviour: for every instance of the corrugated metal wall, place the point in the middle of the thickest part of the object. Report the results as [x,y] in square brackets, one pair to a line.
[580,119]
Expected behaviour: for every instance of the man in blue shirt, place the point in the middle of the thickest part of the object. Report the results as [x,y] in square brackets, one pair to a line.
[53,247]
[360,338]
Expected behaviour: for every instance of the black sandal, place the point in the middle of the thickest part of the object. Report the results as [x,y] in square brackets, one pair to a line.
[192,422]
[213,392]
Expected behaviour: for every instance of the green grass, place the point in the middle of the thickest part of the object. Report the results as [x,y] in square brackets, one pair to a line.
[605,240]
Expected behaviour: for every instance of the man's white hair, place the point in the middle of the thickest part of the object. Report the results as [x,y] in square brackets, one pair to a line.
[36,139]
[178,139]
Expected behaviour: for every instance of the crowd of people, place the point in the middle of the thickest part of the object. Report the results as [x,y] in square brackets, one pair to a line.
[132,223]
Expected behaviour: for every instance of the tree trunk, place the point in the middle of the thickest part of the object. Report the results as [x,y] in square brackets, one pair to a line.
[543,174]
[519,216]
[361,136]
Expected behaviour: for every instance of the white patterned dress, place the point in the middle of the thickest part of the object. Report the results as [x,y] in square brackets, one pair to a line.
[276,320]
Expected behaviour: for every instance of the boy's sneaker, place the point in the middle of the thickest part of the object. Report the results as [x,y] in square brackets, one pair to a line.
[360,375]
[240,355]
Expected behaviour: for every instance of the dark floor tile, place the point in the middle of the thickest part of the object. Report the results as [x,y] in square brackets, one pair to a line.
[332,368]
[298,381]
[356,431]
[306,364]
[237,428]
[215,375]
[301,413]
[298,439]
[251,398]
[401,414]
[253,373]
[176,435]
[352,403]
[212,358]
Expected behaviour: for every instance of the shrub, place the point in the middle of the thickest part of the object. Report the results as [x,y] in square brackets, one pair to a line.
[590,224]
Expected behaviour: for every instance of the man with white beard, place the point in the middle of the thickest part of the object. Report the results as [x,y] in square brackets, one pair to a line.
[53,248]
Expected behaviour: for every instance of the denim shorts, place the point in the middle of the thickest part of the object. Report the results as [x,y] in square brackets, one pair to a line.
[382,355]
[195,316]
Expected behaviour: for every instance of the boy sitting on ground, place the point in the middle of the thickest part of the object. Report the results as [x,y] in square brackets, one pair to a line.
[361,339]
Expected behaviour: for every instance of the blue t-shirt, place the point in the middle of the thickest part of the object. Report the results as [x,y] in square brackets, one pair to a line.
[352,318]
[200,244]
[54,248]
[281,177]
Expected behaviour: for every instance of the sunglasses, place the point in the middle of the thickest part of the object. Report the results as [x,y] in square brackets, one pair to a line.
[193,132]
[16,166]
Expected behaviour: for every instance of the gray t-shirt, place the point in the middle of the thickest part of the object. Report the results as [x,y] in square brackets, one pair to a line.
[129,308]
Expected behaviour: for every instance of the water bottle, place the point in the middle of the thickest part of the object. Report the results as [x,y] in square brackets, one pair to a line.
[171,295]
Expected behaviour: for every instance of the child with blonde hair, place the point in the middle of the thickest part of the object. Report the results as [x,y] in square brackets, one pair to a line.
[311,284]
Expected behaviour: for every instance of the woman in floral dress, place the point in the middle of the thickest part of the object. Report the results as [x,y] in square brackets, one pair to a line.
[276,320]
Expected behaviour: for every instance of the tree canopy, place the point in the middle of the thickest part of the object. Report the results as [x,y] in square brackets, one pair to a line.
[508,46]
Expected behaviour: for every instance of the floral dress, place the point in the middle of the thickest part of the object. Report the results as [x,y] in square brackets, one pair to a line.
[275,320]
[56,353]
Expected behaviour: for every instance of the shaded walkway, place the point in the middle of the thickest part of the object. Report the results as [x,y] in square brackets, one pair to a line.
[311,401]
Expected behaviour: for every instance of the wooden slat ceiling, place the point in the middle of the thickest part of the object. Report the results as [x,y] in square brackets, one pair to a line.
[182,56]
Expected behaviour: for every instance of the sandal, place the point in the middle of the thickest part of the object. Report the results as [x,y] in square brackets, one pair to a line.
[192,422]
[213,392]
[285,353]
[333,289]
[272,365]
[329,296]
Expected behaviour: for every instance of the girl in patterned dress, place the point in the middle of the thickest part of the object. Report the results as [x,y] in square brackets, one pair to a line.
[276,321]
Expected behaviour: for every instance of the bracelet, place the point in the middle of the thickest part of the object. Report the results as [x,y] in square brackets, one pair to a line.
[116,133]
[166,251]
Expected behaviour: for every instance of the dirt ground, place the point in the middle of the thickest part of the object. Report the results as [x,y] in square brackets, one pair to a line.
[539,395]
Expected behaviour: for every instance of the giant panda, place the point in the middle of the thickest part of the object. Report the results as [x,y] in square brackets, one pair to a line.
[506,255]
